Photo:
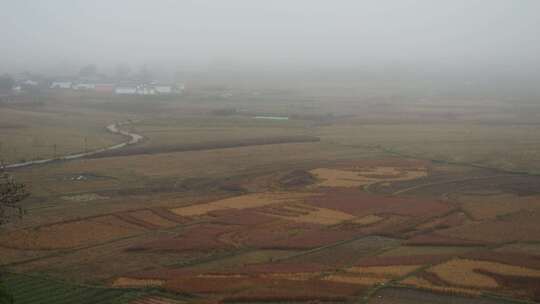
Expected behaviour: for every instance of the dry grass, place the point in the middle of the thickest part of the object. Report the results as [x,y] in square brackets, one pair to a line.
[371,275]
[152,218]
[364,176]
[526,248]
[461,272]
[131,282]
[8,255]
[221,275]
[520,226]
[253,257]
[31,132]
[386,271]
[425,284]
[427,250]
[88,197]
[367,220]
[355,279]
[484,207]
[293,276]
[70,234]
[309,214]
[240,202]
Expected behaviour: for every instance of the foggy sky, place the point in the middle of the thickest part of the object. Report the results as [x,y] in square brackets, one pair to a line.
[56,34]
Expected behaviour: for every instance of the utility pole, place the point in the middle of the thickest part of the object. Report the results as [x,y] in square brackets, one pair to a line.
[54,153]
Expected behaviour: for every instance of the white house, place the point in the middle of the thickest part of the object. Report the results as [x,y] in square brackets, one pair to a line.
[125,90]
[163,89]
[30,82]
[84,86]
[61,85]
[146,90]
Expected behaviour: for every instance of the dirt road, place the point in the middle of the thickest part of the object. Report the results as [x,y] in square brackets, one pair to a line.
[113,128]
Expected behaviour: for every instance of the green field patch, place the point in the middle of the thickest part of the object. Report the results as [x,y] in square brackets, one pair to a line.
[30,289]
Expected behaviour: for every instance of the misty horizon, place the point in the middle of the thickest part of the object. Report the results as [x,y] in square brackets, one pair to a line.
[61,36]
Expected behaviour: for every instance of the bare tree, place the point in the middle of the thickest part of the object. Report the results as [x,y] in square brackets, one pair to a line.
[11,193]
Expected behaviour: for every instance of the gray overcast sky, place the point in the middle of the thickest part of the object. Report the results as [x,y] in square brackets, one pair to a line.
[43,34]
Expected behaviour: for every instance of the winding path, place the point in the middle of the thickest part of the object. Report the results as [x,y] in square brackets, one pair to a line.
[114,128]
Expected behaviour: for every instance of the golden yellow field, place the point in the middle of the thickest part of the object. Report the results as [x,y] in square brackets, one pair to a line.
[240,202]
[136,283]
[355,279]
[367,220]
[364,176]
[460,272]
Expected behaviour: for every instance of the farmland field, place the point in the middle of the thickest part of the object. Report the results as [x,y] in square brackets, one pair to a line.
[361,205]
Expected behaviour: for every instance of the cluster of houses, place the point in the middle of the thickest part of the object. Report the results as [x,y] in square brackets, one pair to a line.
[120,88]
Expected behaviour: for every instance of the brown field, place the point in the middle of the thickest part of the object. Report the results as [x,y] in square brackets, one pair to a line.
[216,145]
[321,216]
[10,255]
[152,218]
[355,279]
[243,259]
[433,239]
[386,271]
[70,234]
[263,289]
[520,226]
[203,237]
[371,275]
[360,203]
[452,220]
[427,250]
[509,258]
[401,260]
[348,253]
[130,282]
[492,206]
[525,248]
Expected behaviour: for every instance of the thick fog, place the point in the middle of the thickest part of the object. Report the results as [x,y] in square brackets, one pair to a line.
[65,34]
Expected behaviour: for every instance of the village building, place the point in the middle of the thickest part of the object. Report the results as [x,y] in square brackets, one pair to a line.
[84,86]
[61,85]
[125,90]
[104,88]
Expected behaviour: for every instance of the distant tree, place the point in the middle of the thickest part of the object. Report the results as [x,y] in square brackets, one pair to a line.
[123,71]
[6,83]
[144,74]
[88,71]
[11,194]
